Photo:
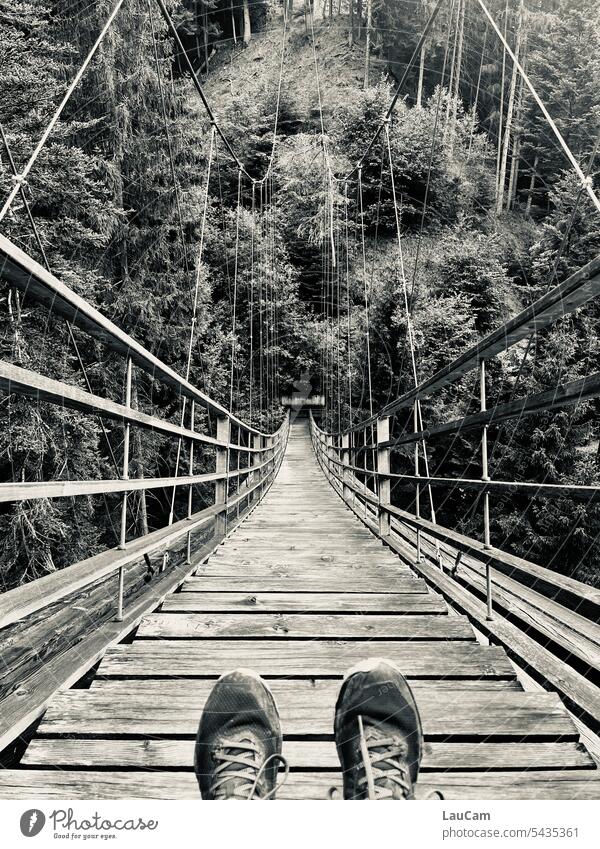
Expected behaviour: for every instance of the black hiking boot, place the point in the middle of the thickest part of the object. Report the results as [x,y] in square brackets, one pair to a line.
[378,732]
[238,745]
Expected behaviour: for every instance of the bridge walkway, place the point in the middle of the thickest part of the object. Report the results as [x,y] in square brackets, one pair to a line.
[300,592]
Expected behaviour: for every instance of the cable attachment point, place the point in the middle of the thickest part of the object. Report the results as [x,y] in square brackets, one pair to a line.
[20,179]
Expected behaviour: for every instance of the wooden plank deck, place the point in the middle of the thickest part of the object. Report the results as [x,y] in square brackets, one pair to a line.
[300,592]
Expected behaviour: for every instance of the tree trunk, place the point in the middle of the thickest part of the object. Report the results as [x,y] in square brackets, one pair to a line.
[477,89]
[233,29]
[205,39]
[452,67]
[501,110]
[308,16]
[420,83]
[359,11]
[351,29]
[368,44]
[247,24]
[531,185]
[459,53]
[516,151]
[509,114]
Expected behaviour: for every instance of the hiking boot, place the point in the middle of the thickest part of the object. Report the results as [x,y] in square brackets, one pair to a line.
[238,745]
[378,732]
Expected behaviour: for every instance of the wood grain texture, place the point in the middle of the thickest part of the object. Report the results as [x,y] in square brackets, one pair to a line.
[306,707]
[305,602]
[287,626]
[320,582]
[199,658]
[301,754]
[87,784]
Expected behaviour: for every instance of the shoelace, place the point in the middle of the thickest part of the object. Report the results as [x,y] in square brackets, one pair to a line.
[382,766]
[237,760]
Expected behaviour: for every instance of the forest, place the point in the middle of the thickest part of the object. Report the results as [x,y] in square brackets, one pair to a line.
[136,199]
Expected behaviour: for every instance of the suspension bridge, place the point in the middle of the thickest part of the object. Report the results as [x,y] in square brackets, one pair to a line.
[301,565]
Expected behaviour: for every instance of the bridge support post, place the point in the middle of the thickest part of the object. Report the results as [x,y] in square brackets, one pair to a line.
[256,460]
[221,467]
[485,476]
[366,465]
[419,557]
[238,467]
[383,480]
[328,454]
[123,531]
[345,457]
[188,558]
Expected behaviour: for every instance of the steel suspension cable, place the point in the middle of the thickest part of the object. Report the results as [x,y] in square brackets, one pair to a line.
[235,288]
[176,187]
[408,315]
[182,53]
[348,342]
[194,312]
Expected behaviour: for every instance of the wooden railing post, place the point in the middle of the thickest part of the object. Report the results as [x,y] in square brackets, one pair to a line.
[417,475]
[328,453]
[238,467]
[123,534]
[485,476]
[188,558]
[366,465]
[345,457]
[222,463]
[256,460]
[383,482]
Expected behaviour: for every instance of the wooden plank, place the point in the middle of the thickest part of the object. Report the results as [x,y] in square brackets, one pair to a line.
[151,686]
[285,626]
[275,552]
[341,572]
[14,379]
[307,602]
[306,707]
[320,583]
[374,562]
[300,754]
[87,784]
[198,658]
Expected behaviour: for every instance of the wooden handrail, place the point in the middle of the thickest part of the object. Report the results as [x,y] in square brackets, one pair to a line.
[28,491]
[563,299]
[20,381]
[20,602]
[580,594]
[574,392]
[20,270]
